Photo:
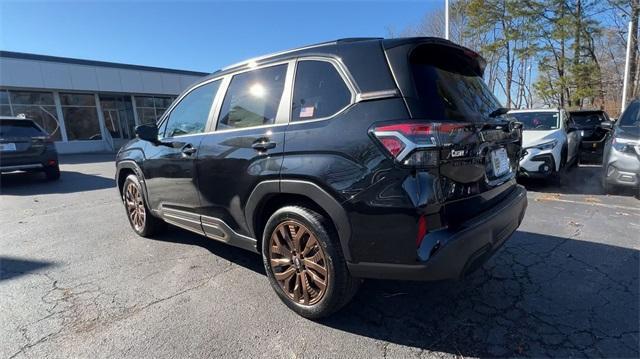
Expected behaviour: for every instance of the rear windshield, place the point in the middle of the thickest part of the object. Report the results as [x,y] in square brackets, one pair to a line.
[587,118]
[537,121]
[450,89]
[19,128]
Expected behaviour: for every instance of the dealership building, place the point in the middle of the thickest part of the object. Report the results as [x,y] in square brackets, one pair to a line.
[87,106]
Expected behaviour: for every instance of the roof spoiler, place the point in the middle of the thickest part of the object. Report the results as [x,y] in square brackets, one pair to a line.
[475,61]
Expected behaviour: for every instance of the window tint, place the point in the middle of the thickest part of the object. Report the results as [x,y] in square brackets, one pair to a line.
[19,128]
[319,91]
[630,115]
[191,114]
[537,121]
[253,98]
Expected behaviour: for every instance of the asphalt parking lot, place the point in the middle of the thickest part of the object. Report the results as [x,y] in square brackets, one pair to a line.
[76,282]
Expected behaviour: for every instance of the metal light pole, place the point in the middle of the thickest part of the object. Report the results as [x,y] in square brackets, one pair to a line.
[446,19]
[626,70]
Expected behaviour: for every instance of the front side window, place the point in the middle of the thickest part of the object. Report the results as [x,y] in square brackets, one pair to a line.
[537,121]
[191,114]
[319,91]
[253,98]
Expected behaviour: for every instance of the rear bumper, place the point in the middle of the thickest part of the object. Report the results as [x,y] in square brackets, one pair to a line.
[29,163]
[460,251]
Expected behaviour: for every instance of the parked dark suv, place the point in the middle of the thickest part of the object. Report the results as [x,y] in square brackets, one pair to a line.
[357,158]
[25,146]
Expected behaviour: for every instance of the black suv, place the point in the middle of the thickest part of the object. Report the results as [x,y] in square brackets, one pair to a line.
[357,158]
[25,146]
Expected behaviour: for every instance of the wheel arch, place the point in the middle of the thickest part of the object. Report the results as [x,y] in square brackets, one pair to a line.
[268,196]
[127,167]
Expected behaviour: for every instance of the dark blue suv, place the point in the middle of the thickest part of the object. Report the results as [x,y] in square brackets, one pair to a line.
[356,158]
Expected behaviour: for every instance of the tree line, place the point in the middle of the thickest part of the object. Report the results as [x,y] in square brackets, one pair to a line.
[556,53]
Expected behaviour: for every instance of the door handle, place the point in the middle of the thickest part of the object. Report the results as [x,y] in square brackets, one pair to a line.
[188,150]
[263,144]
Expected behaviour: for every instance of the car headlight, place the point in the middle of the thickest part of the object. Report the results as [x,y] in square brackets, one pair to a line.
[622,145]
[547,145]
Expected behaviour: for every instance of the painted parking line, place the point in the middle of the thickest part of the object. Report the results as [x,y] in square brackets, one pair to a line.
[589,201]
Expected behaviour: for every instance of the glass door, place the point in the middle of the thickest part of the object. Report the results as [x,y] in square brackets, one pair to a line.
[118,116]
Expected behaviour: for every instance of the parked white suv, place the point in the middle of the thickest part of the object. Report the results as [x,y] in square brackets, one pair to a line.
[550,141]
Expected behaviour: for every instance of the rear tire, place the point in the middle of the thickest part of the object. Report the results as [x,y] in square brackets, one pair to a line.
[52,173]
[304,262]
[140,217]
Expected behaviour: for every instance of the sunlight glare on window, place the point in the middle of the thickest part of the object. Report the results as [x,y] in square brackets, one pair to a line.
[257,90]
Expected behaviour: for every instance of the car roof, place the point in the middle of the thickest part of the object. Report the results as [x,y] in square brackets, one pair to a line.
[535,110]
[322,47]
[15,118]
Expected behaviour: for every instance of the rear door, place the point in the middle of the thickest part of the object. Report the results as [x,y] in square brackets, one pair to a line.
[442,85]
[245,146]
[20,140]
[169,167]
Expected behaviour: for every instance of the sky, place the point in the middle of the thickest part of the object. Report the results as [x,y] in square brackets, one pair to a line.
[195,35]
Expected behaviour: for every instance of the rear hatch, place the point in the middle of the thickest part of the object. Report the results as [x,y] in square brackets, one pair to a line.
[21,139]
[479,148]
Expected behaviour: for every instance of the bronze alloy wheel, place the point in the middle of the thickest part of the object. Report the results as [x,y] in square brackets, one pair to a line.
[135,206]
[298,262]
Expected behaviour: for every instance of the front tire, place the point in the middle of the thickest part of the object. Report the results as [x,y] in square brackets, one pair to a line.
[142,221]
[304,262]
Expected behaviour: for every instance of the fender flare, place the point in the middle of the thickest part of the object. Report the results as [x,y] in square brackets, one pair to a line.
[310,190]
[133,165]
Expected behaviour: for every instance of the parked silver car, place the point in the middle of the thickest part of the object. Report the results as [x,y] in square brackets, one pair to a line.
[621,161]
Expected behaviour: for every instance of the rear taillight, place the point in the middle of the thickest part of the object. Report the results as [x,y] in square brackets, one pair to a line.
[411,144]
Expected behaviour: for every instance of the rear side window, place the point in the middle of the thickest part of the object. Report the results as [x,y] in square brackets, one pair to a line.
[319,91]
[191,114]
[253,98]
[19,128]
[448,86]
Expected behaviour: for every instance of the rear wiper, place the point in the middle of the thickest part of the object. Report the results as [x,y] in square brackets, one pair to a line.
[499,111]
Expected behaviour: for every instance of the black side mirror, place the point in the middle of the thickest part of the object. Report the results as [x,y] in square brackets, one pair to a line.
[607,125]
[571,128]
[148,132]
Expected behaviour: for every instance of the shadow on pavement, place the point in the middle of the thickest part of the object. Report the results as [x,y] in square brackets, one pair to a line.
[87,158]
[585,180]
[28,184]
[538,296]
[11,267]
[236,255]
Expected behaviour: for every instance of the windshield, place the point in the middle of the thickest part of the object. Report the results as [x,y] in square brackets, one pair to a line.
[19,128]
[453,95]
[537,121]
[583,119]
[630,116]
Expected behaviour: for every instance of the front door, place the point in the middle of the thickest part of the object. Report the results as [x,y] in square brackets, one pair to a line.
[245,149]
[169,169]
[572,137]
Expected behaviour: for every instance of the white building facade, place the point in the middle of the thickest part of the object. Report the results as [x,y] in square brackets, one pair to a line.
[87,106]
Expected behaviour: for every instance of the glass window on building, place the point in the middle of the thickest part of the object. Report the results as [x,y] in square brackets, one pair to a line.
[80,116]
[5,108]
[37,106]
[118,116]
[151,108]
